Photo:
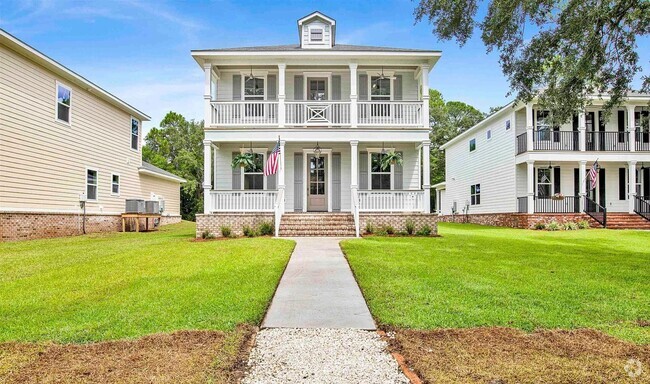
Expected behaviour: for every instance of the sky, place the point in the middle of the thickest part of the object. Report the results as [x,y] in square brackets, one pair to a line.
[139,50]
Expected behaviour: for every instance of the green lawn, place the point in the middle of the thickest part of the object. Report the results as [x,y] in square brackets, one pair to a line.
[486,276]
[125,285]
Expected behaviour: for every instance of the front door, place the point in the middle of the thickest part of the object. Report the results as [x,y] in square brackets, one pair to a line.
[317,185]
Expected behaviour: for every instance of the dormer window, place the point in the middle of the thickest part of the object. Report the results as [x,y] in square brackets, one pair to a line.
[316,35]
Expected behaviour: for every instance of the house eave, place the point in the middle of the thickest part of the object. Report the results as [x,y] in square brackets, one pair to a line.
[161,176]
[511,106]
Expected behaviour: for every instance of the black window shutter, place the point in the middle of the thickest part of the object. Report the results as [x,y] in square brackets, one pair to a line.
[576,189]
[621,126]
[556,180]
[646,182]
[621,184]
[575,122]
[601,187]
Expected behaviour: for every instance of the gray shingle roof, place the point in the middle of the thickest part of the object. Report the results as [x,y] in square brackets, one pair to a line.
[152,168]
[296,47]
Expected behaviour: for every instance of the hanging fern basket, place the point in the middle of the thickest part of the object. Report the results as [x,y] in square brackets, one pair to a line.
[243,160]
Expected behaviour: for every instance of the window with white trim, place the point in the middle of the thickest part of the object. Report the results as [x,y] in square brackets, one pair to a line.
[379,178]
[472,145]
[316,35]
[475,194]
[91,184]
[380,88]
[544,182]
[135,133]
[489,134]
[115,184]
[63,103]
[254,90]
[254,175]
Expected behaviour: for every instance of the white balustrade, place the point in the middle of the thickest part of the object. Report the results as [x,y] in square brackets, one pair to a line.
[318,113]
[386,113]
[391,201]
[243,201]
[249,112]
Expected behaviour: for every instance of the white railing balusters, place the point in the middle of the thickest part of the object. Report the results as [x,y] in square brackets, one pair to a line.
[249,112]
[391,201]
[406,113]
[243,201]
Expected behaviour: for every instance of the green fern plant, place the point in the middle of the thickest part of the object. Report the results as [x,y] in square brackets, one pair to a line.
[391,158]
[243,160]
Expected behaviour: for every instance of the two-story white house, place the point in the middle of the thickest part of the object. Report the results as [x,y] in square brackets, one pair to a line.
[516,162]
[336,111]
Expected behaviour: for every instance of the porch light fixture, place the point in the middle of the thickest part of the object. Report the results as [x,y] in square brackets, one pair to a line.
[550,166]
[317,149]
[643,166]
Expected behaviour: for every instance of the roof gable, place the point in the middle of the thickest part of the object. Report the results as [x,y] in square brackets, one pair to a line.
[316,31]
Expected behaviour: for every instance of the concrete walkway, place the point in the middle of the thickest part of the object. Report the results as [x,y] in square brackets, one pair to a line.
[318,290]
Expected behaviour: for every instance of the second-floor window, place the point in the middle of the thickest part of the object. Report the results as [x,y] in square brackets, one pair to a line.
[135,133]
[63,103]
[379,88]
[472,145]
[254,175]
[254,90]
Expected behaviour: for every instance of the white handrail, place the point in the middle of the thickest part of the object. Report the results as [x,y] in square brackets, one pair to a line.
[391,201]
[243,200]
[248,112]
[279,210]
[355,210]
[317,112]
[386,113]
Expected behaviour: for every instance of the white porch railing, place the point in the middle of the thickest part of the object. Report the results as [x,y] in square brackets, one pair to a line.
[402,113]
[317,112]
[245,112]
[391,201]
[243,201]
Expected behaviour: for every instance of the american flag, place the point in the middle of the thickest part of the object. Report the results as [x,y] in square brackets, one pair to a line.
[593,175]
[273,162]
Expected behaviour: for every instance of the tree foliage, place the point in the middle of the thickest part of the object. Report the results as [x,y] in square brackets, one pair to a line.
[577,47]
[177,147]
[448,120]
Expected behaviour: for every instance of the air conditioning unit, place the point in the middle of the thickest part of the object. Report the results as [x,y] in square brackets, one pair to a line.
[135,206]
[152,207]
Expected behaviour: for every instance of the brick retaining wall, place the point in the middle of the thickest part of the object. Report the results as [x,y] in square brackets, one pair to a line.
[518,220]
[236,221]
[36,225]
[398,221]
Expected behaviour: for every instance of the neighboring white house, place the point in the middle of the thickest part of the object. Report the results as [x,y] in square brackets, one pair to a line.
[62,136]
[515,162]
[336,110]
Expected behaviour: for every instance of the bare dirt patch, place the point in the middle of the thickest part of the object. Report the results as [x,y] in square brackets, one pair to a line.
[505,355]
[185,356]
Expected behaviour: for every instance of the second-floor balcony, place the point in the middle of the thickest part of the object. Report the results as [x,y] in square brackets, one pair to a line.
[594,141]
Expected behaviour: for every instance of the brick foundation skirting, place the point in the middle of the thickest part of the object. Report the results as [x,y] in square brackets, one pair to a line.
[518,220]
[398,221]
[40,225]
[236,221]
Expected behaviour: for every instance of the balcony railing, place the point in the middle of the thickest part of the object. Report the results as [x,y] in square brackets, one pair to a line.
[608,141]
[245,112]
[549,140]
[336,113]
[391,201]
[522,143]
[402,113]
[553,204]
[642,140]
[243,201]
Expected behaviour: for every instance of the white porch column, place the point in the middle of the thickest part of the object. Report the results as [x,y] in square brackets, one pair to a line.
[530,182]
[207,174]
[215,149]
[631,185]
[582,131]
[354,164]
[424,78]
[582,179]
[631,128]
[426,174]
[207,95]
[281,94]
[529,126]
[353,95]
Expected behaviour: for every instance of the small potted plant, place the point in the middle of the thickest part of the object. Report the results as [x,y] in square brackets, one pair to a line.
[243,160]
[557,196]
[391,158]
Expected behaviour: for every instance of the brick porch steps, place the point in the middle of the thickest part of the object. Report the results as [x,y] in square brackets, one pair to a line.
[317,224]
[626,221]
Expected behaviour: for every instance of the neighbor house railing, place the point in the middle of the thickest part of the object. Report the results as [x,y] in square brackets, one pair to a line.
[243,201]
[391,201]
[317,112]
[608,141]
[596,211]
[642,140]
[642,206]
[244,112]
[557,204]
[549,140]
[378,113]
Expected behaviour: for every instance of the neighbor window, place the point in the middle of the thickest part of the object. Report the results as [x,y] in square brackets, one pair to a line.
[379,178]
[507,125]
[91,184]
[135,133]
[63,103]
[472,145]
[489,134]
[475,194]
[115,184]
[254,175]
[544,182]
[316,34]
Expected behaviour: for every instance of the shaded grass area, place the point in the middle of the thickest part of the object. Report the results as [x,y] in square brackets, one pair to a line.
[477,276]
[506,355]
[180,357]
[126,285]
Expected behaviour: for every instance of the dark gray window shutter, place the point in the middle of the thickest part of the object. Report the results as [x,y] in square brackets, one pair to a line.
[601,187]
[271,87]
[575,122]
[336,182]
[297,182]
[398,183]
[336,87]
[236,87]
[398,87]
[621,184]
[556,180]
[646,183]
[236,175]
[298,87]
[363,87]
[621,126]
[363,170]
[271,180]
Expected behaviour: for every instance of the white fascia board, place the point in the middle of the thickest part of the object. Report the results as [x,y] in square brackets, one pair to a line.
[313,135]
[161,176]
[440,186]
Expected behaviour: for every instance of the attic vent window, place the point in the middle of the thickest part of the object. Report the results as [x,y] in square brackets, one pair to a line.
[316,35]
